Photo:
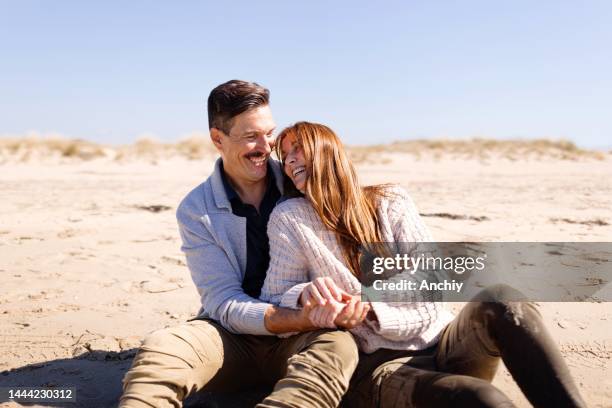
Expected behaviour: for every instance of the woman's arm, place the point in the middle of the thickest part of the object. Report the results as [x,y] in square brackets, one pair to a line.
[399,316]
[288,270]
[406,223]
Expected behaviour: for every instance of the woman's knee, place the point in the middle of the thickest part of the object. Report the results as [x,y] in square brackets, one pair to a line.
[504,303]
[474,392]
[500,293]
[461,391]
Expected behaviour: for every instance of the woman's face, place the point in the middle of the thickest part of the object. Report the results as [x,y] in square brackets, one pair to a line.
[294,164]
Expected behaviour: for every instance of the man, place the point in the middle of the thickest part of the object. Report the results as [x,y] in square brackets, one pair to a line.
[233,343]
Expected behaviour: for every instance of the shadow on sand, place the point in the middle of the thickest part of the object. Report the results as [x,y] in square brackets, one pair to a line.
[97,376]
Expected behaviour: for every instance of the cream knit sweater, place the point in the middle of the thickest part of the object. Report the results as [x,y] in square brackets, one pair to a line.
[302,249]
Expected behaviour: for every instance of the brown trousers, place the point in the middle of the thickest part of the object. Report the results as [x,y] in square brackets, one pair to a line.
[311,369]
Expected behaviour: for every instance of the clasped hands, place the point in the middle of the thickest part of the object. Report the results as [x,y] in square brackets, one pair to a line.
[328,306]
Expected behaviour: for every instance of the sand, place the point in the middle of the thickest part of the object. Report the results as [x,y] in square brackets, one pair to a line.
[90,255]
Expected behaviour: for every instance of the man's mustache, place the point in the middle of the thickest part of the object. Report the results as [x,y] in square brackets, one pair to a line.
[256,155]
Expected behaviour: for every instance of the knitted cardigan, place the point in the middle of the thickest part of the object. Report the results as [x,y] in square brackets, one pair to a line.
[302,249]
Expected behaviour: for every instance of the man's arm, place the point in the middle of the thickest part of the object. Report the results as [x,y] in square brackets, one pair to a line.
[283,320]
[219,284]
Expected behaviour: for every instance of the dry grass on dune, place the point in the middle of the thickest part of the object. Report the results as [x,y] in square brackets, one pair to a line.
[193,147]
[196,146]
[481,149]
[34,147]
[57,148]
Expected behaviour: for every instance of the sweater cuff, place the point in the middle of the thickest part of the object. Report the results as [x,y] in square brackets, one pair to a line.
[388,322]
[254,319]
[291,298]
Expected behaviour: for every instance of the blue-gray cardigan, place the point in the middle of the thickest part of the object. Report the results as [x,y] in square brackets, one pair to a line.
[214,243]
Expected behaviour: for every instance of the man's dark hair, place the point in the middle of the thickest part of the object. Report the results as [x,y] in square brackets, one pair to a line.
[231,99]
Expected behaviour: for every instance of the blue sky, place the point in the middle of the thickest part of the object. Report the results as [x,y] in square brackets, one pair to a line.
[110,71]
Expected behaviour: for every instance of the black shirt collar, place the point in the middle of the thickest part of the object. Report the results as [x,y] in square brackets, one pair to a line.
[231,193]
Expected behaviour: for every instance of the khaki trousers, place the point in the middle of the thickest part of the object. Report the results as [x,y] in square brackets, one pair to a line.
[311,369]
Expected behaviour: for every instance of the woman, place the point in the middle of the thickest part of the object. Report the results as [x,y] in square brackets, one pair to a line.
[413,353]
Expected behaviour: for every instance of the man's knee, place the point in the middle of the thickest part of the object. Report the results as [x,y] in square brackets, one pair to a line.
[195,336]
[332,353]
[158,341]
[173,350]
[172,363]
[319,372]
[343,343]
[338,344]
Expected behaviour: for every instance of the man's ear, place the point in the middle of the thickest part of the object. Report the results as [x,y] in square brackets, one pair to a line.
[216,136]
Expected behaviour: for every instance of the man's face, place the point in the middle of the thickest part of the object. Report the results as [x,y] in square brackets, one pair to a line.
[247,147]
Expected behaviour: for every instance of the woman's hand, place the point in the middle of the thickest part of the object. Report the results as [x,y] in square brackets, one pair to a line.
[326,315]
[331,307]
[326,301]
[349,313]
[353,314]
[320,291]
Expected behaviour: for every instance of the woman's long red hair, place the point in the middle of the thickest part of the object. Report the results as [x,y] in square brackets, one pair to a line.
[333,190]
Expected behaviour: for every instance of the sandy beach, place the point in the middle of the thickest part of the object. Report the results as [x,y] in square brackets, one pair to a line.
[90,254]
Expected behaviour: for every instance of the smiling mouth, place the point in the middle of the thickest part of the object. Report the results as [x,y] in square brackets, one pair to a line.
[299,171]
[258,160]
